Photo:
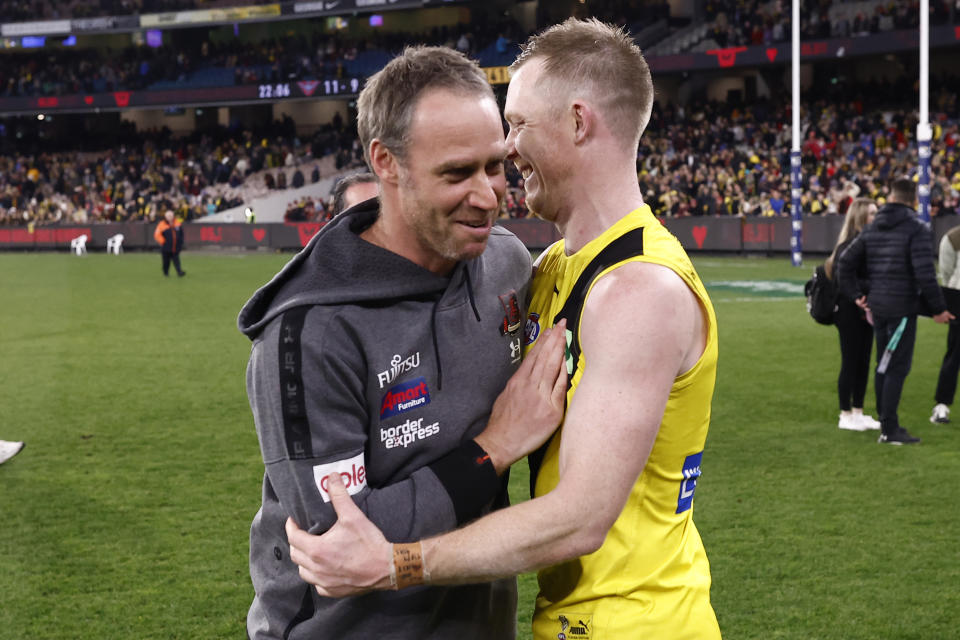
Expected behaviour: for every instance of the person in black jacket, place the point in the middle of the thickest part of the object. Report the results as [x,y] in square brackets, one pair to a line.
[856,333]
[895,252]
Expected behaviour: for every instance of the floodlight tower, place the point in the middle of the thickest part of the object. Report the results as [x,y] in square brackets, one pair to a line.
[796,240]
[924,132]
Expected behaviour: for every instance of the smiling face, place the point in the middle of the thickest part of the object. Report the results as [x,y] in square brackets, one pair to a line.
[535,143]
[451,180]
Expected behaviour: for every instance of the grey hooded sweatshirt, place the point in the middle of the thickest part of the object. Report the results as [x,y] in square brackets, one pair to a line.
[367,364]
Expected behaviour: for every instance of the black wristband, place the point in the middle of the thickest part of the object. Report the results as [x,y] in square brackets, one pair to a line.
[469,478]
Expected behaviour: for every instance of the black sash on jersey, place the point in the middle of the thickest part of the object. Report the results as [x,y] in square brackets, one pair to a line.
[629,245]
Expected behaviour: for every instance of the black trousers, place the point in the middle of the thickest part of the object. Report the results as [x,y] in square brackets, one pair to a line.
[889,385]
[947,382]
[856,342]
[167,259]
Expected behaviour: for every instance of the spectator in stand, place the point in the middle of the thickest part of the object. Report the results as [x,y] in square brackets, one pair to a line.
[169,234]
[354,189]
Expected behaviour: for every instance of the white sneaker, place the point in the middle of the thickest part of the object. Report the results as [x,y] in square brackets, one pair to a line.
[850,423]
[867,422]
[9,449]
[941,414]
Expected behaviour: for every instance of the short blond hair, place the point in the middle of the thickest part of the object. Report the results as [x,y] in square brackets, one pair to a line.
[603,57]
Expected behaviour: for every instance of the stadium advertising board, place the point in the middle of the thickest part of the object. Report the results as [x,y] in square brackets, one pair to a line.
[341,7]
[39,28]
[210,16]
[242,94]
[720,234]
[105,24]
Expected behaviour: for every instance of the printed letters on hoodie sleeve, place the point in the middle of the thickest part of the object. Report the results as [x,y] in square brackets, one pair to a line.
[306,389]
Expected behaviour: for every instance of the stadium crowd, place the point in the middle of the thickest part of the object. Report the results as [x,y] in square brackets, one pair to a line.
[187,58]
[321,55]
[723,159]
[138,175]
[735,23]
[706,158]
[25,10]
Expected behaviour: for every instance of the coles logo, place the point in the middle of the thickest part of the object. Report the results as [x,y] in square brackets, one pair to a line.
[404,397]
[532,329]
[353,473]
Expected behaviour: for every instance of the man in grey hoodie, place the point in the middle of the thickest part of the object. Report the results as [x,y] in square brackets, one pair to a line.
[378,352]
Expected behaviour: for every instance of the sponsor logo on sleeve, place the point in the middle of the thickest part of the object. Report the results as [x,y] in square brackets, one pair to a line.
[353,473]
[410,432]
[398,365]
[532,330]
[691,473]
[405,397]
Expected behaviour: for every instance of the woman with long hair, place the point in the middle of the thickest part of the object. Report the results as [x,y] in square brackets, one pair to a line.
[856,333]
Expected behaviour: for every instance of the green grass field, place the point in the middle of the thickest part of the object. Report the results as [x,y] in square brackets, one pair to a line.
[127,514]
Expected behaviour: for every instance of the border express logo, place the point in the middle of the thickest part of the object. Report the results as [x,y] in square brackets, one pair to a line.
[404,397]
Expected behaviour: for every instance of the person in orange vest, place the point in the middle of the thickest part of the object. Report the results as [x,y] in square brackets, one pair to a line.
[170,236]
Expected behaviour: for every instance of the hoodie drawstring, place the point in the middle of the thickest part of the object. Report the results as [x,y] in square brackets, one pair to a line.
[436,349]
[473,302]
[433,323]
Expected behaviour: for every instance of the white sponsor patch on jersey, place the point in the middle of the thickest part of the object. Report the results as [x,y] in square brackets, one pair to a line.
[353,474]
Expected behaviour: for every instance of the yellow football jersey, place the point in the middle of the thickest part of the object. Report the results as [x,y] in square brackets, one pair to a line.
[650,579]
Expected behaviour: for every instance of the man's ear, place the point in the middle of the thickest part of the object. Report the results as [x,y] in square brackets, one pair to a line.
[584,121]
[385,163]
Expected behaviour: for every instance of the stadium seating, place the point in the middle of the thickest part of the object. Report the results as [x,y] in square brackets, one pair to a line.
[115,244]
[79,245]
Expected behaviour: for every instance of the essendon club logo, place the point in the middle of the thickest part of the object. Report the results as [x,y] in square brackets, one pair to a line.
[308,86]
[404,397]
[511,314]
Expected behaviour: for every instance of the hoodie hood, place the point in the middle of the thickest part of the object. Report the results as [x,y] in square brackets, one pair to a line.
[892,214]
[339,267]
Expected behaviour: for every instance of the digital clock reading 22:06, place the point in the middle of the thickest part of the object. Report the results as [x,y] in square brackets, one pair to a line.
[346,86]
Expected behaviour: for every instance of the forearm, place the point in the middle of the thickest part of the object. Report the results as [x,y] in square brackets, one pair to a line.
[522,538]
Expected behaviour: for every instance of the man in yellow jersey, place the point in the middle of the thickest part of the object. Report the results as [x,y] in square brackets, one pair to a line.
[610,526]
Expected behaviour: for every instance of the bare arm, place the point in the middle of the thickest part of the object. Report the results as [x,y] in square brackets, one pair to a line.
[641,328]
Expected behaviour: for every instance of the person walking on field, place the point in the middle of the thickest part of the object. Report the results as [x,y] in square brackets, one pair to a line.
[895,252]
[856,333]
[949,268]
[170,236]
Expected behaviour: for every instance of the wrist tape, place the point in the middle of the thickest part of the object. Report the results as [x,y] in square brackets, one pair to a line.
[408,569]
